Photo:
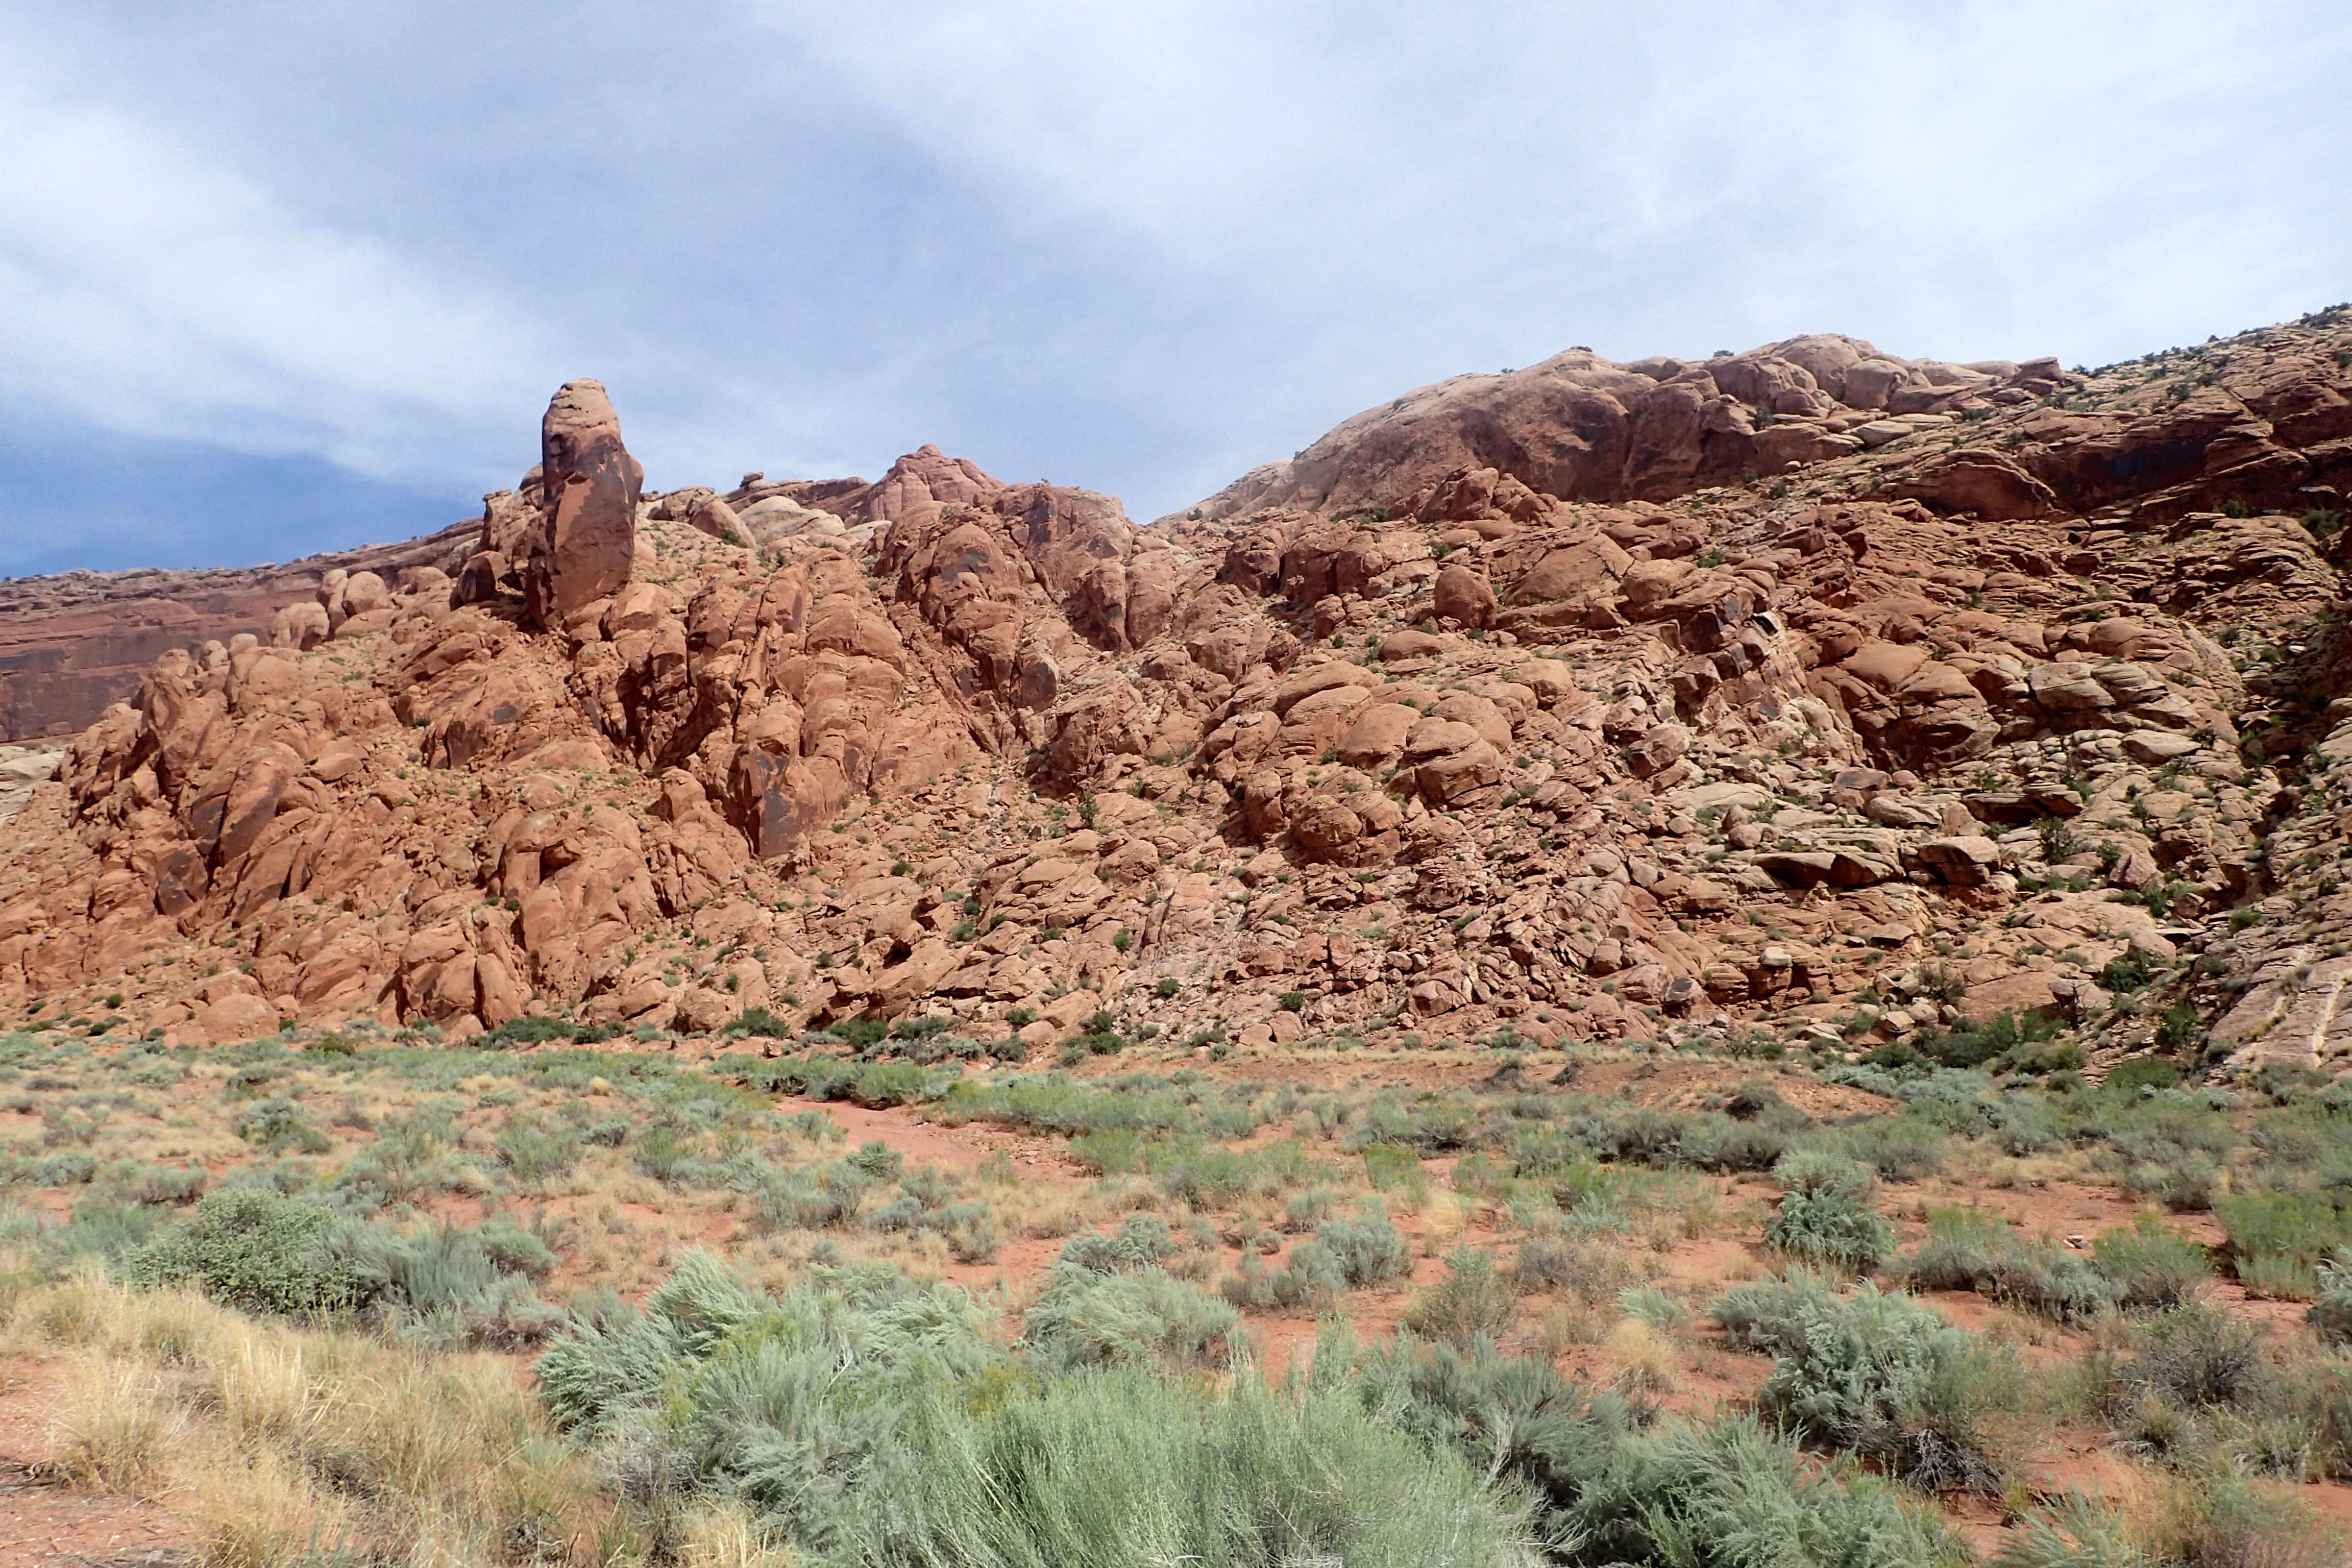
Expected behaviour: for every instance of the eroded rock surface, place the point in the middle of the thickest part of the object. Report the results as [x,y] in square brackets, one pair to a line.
[1513,702]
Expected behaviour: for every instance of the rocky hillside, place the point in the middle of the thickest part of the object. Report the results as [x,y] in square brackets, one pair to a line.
[73,644]
[1806,690]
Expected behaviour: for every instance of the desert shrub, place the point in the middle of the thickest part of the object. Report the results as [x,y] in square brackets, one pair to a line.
[1514,1415]
[162,1185]
[455,1285]
[99,1228]
[2183,1188]
[278,1126]
[524,1031]
[1366,1245]
[71,1168]
[1830,1228]
[1721,1494]
[2192,1359]
[759,1021]
[2151,1264]
[2323,1398]
[1878,1375]
[1137,1103]
[1305,1211]
[260,1252]
[1722,1143]
[535,1152]
[1387,1165]
[1144,1240]
[1899,1148]
[1475,1300]
[264,1252]
[1126,1467]
[875,1085]
[1593,1271]
[1638,1134]
[2076,1532]
[811,1197]
[2008,1036]
[1205,1175]
[2141,1072]
[1135,1316]
[2277,1240]
[1824,1215]
[1310,1279]
[666,1154]
[1972,1249]
[2128,971]
[1816,1172]
[2331,1301]
[1730,1493]
[2165,1145]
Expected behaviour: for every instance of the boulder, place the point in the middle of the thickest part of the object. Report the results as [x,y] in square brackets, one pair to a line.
[1464,596]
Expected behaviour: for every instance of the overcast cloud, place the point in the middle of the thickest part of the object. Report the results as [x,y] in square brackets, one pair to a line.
[283,276]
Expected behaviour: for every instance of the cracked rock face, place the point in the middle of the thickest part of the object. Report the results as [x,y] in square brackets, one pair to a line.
[1511,702]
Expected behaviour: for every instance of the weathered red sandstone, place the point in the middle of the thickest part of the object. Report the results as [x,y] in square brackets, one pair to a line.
[1585,699]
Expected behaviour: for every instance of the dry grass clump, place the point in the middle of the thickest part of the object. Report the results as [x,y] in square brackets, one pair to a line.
[1644,1363]
[277,1442]
[115,1431]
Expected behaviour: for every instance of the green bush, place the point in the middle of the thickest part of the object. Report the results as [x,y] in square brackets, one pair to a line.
[461,1286]
[1899,1148]
[1310,1279]
[2193,1359]
[1880,1376]
[278,1126]
[162,1184]
[2151,1264]
[2141,1072]
[1143,1241]
[1729,1493]
[666,1154]
[2277,1240]
[2331,1304]
[1136,1317]
[523,1030]
[1974,1249]
[1824,1217]
[1719,1494]
[2008,1036]
[1125,1467]
[1366,1246]
[535,1152]
[1387,1165]
[2128,971]
[262,1253]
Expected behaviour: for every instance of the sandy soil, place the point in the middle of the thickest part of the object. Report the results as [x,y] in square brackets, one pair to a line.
[46,1523]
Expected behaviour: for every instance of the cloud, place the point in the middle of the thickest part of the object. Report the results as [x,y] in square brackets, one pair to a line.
[1638,174]
[1141,247]
[153,291]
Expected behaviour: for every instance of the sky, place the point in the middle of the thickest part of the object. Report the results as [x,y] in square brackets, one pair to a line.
[282,276]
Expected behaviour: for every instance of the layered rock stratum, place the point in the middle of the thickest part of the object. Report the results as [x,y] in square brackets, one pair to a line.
[1809,689]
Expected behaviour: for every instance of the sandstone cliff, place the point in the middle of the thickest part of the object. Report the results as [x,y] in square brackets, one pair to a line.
[72,644]
[1806,688]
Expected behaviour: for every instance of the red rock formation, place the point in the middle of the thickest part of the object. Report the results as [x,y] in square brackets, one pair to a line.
[582,545]
[1475,753]
[71,644]
[1581,427]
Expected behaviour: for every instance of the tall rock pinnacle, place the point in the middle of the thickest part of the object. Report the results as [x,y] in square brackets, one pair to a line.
[583,546]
